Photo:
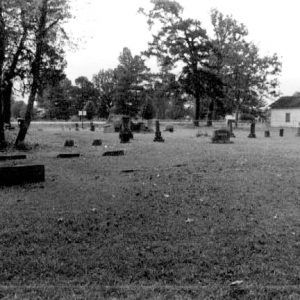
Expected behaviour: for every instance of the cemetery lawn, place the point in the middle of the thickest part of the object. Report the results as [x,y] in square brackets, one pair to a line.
[183,218]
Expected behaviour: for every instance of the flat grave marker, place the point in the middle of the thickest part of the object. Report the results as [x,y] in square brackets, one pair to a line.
[68,155]
[12,157]
[17,175]
[114,153]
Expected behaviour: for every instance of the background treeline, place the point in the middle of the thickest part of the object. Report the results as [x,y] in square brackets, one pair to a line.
[199,75]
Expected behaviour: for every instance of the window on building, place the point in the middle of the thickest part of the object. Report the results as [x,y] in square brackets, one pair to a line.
[287,117]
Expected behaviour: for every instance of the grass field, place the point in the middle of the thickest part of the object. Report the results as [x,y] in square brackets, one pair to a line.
[181,219]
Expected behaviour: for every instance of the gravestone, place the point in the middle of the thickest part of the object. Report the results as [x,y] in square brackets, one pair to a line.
[97,143]
[169,128]
[12,157]
[252,131]
[69,143]
[221,136]
[158,137]
[16,175]
[267,133]
[92,126]
[281,132]
[76,126]
[114,153]
[125,133]
[298,131]
[230,127]
[68,155]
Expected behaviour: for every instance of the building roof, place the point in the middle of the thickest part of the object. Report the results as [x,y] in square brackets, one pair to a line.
[286,102]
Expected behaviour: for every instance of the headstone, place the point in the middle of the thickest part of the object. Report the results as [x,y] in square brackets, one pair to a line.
[97,143]
[114,153]
[267,133]
[298,131]
[281,132]
[108,128]
[68,155]
[221,136]
[76,126]
[92,126]
[169,128]
[252,130]
[125,133]
[69,143]
[16,175]
[158,137]
[230,127]
[12,157]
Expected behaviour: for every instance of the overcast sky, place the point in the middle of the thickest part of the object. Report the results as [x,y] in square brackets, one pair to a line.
[104,27]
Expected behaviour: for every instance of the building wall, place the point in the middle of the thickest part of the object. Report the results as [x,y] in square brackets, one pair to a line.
[278,117]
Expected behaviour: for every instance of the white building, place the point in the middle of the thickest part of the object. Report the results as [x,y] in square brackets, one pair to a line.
[285,112]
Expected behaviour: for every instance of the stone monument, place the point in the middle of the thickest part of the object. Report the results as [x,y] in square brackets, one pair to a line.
[125,133]
[252,130]
[158,137]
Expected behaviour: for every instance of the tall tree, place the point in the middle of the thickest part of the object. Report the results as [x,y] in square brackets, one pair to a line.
[105,83]
[47,37]
[130,75]
[248,77]
[183,43]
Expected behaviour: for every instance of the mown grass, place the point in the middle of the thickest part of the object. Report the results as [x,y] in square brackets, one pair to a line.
[187,220]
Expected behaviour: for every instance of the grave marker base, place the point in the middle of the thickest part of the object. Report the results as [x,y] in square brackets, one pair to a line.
[17,175]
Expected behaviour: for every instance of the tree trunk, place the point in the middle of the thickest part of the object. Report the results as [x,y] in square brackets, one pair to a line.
[210,113]
[24,126]
[2,58]
[236,117]
[7,92]
[35,71]
[197,111]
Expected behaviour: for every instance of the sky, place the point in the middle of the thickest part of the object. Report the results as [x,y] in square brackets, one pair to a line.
[102,28]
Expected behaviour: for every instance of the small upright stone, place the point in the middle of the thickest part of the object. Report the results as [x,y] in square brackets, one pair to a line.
[69,143]
[298,131]
[76,126]
[252,130]
[229,124]
[169,128]
[97,143]
[221,136]
[267,133]
[92,126]
[158,137]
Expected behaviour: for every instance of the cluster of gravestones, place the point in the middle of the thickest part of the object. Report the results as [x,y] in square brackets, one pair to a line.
[223,135]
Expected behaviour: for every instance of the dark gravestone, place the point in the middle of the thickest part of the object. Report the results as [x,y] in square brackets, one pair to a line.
[76,126]
[68,155]
[114,153]
[267,133]
[252,130]
[97,143]
[16,175]
[230,127]
[169,128]
[12,157]
[125,133]
[69,143]
[281,132]
[298,131]
[221,136]
[92,126]
[158,137]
